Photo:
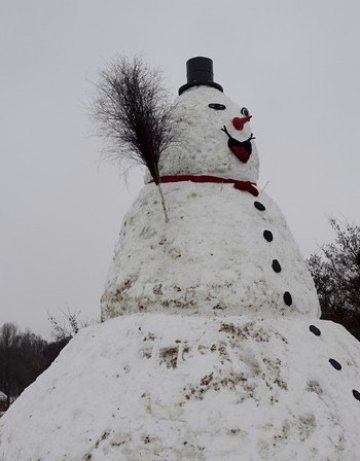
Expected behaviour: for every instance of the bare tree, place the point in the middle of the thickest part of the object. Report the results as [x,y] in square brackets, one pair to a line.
[134,115]
[67,326]
[336,273]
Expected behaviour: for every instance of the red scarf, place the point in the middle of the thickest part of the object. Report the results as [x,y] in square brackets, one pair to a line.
[240,185]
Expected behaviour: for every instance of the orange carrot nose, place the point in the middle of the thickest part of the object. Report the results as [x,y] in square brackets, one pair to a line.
[238,123]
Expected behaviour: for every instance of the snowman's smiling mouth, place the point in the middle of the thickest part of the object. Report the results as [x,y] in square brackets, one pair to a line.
[241,149]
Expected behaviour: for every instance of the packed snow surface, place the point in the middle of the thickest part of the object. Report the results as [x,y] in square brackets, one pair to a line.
[243,369]
[211,258]
[170,388]
[202,147]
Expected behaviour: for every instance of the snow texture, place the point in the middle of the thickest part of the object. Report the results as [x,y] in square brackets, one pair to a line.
[202,148]
[170,388]
[212,257]
[242,369]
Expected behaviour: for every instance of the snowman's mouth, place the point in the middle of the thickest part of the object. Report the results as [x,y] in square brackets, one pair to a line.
[241,149]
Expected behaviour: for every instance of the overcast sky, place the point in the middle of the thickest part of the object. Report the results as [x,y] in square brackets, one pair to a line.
[294,63]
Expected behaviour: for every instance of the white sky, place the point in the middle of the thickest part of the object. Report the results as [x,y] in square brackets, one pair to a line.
[294,63]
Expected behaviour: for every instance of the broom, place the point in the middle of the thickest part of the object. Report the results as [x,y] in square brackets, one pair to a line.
[134,115]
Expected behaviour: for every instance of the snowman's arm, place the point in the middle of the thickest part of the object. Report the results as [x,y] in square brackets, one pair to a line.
[224,129]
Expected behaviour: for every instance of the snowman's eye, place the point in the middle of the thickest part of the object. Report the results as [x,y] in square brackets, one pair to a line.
[217,106]
[245,111]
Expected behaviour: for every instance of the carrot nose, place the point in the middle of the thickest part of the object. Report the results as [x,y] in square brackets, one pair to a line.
[238,123]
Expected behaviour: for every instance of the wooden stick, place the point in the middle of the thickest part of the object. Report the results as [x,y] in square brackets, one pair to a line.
[163,203]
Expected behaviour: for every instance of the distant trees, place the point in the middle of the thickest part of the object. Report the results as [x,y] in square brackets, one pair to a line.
[21,359]
[25,355]
[336,273]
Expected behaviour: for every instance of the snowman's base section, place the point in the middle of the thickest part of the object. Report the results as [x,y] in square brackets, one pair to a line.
[170,388]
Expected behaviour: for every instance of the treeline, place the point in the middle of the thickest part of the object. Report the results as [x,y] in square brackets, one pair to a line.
[23,357]
[336,272]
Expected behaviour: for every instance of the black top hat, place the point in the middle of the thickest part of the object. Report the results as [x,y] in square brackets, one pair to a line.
[199,71]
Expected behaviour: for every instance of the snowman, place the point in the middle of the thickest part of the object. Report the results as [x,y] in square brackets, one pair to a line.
[226,249]
[211,346]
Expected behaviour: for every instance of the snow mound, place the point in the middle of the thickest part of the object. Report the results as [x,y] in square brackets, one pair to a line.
[159,387]
[214,256]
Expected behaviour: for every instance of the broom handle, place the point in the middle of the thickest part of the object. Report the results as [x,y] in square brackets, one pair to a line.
[163,203]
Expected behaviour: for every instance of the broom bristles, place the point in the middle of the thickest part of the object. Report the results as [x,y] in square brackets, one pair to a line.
[134,115]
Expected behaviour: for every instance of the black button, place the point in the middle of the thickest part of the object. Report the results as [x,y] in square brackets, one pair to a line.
[287,298]
[356,394]
[276,265]
[335,364]
[268,235]
[315,330]
[259,206]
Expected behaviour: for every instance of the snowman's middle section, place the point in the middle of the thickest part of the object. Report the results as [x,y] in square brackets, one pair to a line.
[223,252]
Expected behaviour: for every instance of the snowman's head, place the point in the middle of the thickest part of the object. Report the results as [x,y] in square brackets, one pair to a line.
[214,133]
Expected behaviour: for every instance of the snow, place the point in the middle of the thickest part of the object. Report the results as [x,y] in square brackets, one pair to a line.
[2,396]
[160,387]
[200,358]
[202,146]
[210,259]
